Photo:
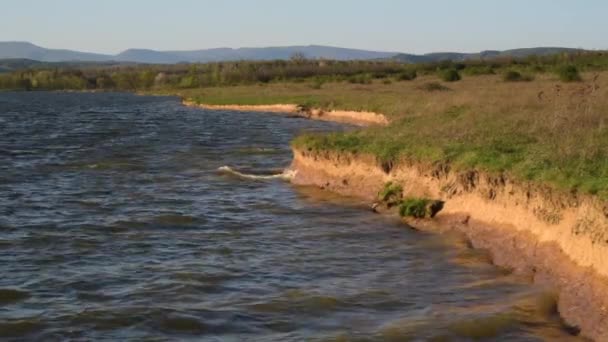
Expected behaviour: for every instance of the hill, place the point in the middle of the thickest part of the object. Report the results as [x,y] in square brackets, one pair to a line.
[457,56]
[25,50]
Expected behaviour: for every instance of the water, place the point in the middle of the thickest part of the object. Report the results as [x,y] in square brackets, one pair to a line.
[115,223]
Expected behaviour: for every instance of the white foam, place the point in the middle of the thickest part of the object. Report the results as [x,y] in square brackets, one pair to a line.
[287,174]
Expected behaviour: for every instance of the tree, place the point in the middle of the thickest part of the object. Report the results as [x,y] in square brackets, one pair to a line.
[298,57]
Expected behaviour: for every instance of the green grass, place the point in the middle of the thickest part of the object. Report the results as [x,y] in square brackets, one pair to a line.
[419,207]
[530,131]
[545,130]
[390,192]
[490,148]
[414,207]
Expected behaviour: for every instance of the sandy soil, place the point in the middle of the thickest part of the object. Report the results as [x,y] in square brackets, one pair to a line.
[560,240]
[343,116]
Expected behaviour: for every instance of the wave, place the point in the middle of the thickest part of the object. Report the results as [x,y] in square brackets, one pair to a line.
[285,175]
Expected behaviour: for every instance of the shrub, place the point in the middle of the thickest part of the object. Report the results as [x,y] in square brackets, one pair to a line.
[317,83]
[449,75]
[419,208]
[305,108]
[413,207]
[390,191]
[511,76]
[568,73]
[515,76]
[407,75]
[433,86]
[479,70]
[380,75]
[360,79]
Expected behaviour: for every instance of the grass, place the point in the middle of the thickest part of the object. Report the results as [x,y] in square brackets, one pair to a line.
[419,207]
[414,207]
[545,130]
[390,193]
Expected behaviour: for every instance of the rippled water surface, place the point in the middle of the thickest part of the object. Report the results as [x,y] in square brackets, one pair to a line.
[116,224]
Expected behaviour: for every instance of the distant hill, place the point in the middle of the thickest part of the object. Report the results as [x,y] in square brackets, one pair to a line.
[31,52]
[457,56]
[24,50]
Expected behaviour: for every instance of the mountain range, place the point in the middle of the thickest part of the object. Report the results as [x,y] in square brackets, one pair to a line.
[457,56]
[29,51]
[25,50]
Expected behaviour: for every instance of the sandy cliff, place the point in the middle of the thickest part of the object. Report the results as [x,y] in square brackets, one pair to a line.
[560,240]
[343,116]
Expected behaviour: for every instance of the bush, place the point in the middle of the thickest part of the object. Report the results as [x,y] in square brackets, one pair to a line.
[317,83]
[515,76]
[511,76]
[380,75]
[413,207]
[360,79]
[407,75]
[390,192]
[449,75]
[479,70]
[419,207]
[568,73]
[433,86]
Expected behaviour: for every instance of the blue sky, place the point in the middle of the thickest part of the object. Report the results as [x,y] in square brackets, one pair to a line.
[110,26]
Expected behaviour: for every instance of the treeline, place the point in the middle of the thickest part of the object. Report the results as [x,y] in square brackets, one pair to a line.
[145,77]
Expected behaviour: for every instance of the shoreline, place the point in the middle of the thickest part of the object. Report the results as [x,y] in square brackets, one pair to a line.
[341,116]
[556,240]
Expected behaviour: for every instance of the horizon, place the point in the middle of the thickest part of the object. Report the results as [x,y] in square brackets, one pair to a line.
[285,46]
[112,27]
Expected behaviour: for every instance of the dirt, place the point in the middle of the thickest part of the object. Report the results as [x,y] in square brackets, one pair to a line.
[343,116]
[559,239]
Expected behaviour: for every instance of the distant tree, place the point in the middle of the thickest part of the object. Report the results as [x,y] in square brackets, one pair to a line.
[298,57]
[25,84]
[125,80]
[146,79]
[160,79]
[104,82]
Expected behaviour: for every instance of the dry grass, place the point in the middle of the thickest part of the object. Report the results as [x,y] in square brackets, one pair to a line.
[401,99]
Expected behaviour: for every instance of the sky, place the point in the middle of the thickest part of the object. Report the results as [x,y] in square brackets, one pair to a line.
[111,26]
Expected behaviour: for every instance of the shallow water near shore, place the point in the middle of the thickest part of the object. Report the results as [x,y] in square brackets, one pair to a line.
[131,217]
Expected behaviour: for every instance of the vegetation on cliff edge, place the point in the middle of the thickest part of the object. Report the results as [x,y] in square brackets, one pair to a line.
[544,130]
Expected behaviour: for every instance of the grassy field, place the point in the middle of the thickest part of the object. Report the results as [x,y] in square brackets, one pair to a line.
[543,130]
